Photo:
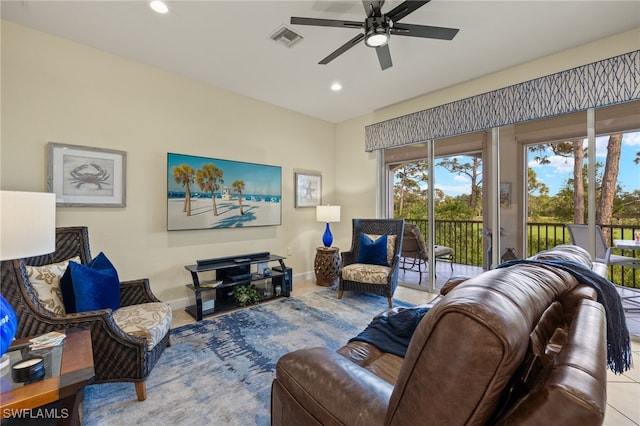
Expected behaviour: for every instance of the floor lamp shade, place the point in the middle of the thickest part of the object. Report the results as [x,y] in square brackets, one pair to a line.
[27,224]
[327,214]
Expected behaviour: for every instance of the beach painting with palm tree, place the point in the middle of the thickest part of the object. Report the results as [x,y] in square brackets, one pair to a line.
[206,193]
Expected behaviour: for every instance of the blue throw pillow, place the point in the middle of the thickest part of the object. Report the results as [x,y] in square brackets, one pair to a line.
[66,288]
[90,287]
[373,252]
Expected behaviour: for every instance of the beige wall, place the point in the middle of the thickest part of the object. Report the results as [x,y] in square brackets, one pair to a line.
[55,90]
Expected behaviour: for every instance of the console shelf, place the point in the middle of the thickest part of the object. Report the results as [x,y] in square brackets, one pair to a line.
[233,271]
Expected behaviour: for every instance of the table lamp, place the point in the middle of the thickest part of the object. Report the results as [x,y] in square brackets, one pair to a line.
[27,228]
[327,214]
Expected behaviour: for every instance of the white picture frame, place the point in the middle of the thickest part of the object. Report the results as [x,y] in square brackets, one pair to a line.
[84,176]
[308,189]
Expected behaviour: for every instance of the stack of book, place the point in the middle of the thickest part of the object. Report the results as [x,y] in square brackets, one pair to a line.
[47,340]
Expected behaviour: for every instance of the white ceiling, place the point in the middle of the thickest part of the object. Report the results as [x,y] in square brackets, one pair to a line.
[227,44]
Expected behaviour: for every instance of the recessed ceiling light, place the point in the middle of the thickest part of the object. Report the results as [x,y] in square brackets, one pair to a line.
[159,6]
[336,87]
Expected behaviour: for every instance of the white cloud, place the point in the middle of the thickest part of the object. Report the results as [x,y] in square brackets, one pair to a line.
[454,190]
[631,139]
[462,179]
[557,165]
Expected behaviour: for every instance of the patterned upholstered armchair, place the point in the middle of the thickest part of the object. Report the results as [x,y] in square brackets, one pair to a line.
[358,273]
[127,342]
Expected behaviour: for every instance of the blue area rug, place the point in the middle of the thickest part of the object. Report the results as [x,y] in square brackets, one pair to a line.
[219,371]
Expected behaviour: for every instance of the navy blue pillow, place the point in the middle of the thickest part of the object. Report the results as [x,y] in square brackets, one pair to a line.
[66,288]
[90,287]
[373,252]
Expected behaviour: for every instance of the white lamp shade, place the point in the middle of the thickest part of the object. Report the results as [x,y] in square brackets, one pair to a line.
[328,214]
[27,224]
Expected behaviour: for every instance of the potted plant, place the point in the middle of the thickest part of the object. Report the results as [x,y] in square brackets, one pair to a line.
[246,294]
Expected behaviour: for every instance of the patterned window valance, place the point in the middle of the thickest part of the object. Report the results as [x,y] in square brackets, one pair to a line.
[607,82]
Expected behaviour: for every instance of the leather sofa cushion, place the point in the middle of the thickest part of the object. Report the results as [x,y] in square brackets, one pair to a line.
[382,364]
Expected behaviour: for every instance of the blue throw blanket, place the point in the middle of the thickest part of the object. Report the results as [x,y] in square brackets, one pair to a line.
[618,343]
[393,333]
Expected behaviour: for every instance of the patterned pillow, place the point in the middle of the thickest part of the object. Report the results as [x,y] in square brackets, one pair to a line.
[45,280]
[391,245]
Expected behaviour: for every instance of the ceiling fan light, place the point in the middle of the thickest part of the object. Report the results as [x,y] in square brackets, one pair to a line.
[159,6]
[377,40]
[377,36]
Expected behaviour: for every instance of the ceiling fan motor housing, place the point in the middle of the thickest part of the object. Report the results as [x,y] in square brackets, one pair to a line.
[377,30]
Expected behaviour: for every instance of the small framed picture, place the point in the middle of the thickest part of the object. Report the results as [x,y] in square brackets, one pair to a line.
[83,176]
[505,194]
[308,189]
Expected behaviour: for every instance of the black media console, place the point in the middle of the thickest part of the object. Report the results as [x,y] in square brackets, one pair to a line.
[214,280]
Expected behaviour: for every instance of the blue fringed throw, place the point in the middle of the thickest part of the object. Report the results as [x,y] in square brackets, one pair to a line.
[618,342]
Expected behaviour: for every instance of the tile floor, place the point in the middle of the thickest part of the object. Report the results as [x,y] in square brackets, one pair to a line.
[623,391]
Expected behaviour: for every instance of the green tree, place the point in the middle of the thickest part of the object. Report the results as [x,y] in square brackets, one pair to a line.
[471,169]
[569,149]
[627,207]
[609,182]
[408,178]
[578,185]
[455,209]
[209,179]
[538,195]
[184,175]
[238,186]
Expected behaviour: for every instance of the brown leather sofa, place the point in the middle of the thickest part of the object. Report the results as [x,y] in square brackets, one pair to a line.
[519,345]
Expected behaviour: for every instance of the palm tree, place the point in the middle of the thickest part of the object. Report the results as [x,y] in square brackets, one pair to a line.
[209,179]
[238,186]
[183,175]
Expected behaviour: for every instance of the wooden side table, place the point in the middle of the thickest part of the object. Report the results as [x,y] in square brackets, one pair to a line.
[65,385]
[327,266]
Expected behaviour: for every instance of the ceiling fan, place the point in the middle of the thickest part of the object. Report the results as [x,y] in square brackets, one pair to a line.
[378,28]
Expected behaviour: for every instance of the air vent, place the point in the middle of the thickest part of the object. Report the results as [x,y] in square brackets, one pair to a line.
[286,36]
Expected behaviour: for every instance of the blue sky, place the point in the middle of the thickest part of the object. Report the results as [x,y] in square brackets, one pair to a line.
[555,174]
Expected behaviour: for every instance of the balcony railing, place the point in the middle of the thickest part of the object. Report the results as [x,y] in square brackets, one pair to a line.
[465,237]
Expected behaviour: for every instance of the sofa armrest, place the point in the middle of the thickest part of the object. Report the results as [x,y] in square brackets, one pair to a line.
[319,384]
[136,292]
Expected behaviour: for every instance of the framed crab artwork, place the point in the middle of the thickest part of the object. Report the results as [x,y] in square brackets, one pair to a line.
[87,176]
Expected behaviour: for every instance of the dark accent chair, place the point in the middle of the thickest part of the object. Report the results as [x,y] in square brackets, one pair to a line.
[372,278]
[117,355]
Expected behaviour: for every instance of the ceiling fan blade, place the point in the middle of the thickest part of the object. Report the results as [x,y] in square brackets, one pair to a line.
[372,8]
[424,31]
[340,50]
[384,57]
[325,22]
[403,9]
